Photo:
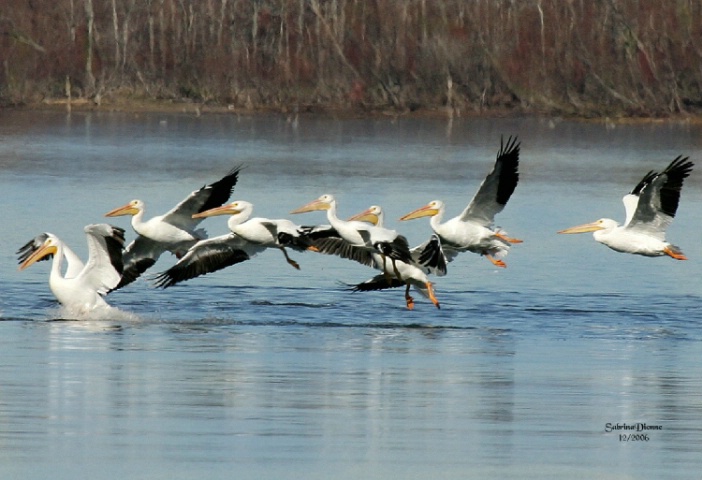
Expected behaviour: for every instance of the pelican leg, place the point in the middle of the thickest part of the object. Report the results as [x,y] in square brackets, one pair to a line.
[388,278]
[408,298]
[675,253]
[397,272]
[495,261]
[432,297]
[289,260]
[507,239]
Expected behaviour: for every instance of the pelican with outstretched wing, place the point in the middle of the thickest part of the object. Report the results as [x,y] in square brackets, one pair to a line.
[473,230]
[410,271]
[248,237]
[365,237]
[426,258]
[79,286]
[175,231]
[650,209]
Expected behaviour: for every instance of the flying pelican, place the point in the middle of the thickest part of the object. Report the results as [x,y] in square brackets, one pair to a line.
[360,235]
[410,271]
[82,286]
[174,231]
[433,260]
[426,258]
[650,208]
[473,229]
[248,237]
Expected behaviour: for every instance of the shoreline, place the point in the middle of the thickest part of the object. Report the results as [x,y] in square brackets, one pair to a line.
[170,106]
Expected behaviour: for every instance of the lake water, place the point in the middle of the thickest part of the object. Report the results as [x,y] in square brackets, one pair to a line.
[262,371]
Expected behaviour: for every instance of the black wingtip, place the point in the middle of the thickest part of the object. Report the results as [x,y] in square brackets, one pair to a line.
[680,167]
[164,280]
[678,170]
[131,273]
[115,248]
[648,178]
[222,189]
[511,147]
[508,164]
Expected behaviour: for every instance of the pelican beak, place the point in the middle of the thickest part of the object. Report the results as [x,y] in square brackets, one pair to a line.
[38,255]
[312,207]
[228,209]
[365,216]
[127,209]
[425,211]
[587,227]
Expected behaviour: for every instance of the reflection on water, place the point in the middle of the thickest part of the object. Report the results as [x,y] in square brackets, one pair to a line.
[270,372]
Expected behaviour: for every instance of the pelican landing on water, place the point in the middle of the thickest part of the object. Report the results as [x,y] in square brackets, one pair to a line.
[366,241]
[650,209]
[76,285]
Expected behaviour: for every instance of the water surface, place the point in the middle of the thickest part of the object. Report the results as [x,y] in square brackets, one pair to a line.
[263,371]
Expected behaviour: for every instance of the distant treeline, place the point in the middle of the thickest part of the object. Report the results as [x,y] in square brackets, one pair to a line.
[581,57]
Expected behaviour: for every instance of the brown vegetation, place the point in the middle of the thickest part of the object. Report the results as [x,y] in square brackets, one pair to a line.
[581,57]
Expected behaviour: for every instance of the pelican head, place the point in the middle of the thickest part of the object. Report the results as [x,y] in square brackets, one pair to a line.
[325,202]
[601,224]
[372,215]
[132,208]
[234,208]
[429,210]
[49,247]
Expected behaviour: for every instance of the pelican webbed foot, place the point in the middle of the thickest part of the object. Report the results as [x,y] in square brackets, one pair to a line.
[495,261]
[292,262]
[432,297]
[507,239]
[674,253]
[408,298]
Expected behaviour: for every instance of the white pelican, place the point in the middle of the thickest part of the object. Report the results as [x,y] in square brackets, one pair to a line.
[473,229]
[359,234]
[174,231]
[248,237]
[409,271]
[433,259]
[426,258]
[82,286]
[650,208]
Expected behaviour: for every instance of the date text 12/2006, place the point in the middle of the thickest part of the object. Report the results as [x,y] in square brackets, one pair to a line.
[634,437]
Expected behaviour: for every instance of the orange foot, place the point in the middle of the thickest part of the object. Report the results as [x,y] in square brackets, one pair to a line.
[508,239]
[410,302]
[676,254]
[432,297]
[496,262]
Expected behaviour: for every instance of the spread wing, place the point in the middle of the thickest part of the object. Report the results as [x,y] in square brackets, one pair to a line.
[209,196]
[104,268]
[379,282]
[430,257]
[208,256]
[138,257]
[341,248]
[327,240]
[659,198]
[631,200]
[498,186]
